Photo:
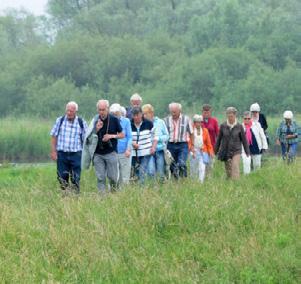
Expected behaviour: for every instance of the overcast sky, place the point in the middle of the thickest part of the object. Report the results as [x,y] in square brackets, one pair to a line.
[37,7]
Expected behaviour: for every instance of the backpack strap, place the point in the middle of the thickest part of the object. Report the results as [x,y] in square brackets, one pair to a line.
[81,125]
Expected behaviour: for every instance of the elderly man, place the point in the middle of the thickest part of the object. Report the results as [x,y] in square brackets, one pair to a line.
[124,145]
[66,146]
[180,129]
[136,101]
[101,146]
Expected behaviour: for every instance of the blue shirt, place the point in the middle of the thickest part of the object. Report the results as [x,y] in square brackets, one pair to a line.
[126,142]
[68,135]
[161,133]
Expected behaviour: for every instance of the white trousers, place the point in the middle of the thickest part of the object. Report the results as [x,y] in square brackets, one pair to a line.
[255,159]
[197,166]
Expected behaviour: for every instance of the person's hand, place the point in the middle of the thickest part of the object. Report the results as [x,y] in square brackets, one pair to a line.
[53,155]
[135,145]
[107,137]
[152,150]
[290,136]
[99,125]
[127,153]
[278,142]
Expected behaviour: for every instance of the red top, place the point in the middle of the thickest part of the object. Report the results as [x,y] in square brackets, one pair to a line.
[212,126]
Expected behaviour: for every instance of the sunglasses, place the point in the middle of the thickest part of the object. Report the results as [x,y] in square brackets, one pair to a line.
[247,118]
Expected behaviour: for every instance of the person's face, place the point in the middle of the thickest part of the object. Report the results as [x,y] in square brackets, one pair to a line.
[117,113]
[71,112]
[231,117]
[255,114]
[135,103]
[103,110]
[148,115]
[197,124]
[175,112]
[206,113]
[288,121]
[137,118]
[247,120]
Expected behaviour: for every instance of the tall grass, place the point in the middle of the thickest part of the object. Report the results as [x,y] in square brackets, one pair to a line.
[24,140]
[28,140]
[219,232]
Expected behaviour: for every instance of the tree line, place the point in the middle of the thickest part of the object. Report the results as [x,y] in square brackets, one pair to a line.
[213,51]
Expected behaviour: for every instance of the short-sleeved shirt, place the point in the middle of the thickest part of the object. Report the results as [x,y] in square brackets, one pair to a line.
[179,130]
[111,125]
[69,134]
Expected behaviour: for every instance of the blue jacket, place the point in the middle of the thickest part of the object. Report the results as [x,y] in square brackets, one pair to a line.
[161,133]
[126,142]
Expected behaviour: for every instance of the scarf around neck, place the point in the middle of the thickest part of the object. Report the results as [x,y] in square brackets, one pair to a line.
[231,125]
[248,132]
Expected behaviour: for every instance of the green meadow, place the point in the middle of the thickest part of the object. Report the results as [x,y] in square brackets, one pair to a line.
[182,232]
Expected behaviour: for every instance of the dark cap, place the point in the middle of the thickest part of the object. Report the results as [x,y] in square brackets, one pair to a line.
[136,110]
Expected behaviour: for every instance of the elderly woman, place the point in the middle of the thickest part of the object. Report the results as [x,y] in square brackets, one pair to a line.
[228,144]
[257,142]
[124,145]
[201,151]
[287,136]
[157,164]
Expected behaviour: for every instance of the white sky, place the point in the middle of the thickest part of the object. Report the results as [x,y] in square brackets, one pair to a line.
[37,7]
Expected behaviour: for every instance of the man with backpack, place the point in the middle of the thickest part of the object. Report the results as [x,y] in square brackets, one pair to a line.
[67,136]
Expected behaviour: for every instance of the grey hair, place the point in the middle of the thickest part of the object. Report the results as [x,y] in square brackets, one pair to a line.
[123,111]
[72,103]
[173,104]
[231,110]
[136,96]
[247,113]
[103,101]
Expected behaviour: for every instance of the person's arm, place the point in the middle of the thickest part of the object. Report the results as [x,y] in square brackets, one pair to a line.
[119,133]
[129,137]
[218,141]
[263,138]
[53,153]
[164,133]
[244,141]
[278,133]
[207,143]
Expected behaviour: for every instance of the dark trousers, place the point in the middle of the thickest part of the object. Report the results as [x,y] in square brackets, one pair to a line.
[179,152]
[69,168]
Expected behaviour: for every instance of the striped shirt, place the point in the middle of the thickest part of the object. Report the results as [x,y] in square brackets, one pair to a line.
[68,135]
[143,136]
[179,130]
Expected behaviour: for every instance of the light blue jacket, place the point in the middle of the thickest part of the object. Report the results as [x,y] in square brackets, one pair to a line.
[161,133]
[126,142]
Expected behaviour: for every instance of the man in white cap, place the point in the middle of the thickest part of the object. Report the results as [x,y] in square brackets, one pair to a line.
[287,136]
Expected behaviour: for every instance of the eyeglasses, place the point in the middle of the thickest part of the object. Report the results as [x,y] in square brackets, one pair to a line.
[102,109]
[247,118]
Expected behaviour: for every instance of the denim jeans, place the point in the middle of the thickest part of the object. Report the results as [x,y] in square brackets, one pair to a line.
[139,165]
[179,152]
[69,168]
[156,165]
[289,151]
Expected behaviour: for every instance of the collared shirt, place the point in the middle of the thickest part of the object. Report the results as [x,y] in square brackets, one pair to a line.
[160,133]
[178,129]
[69,134]
[126,142]
[284,130]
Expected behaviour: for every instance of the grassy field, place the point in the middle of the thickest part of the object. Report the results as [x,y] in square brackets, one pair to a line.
[220,232]
[28,140]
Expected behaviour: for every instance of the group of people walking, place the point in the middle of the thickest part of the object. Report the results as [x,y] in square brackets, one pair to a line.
[125,144]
